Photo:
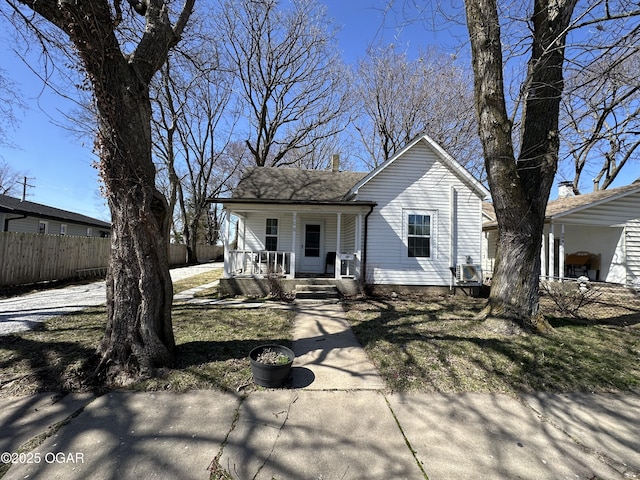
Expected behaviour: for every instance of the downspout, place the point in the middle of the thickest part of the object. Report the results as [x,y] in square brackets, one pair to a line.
[363,269]
[453,235]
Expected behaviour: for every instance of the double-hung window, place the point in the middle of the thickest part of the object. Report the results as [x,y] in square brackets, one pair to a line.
[271,237]
[418,235]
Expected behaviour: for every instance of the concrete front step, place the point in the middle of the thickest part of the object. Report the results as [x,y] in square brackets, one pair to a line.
[316,292]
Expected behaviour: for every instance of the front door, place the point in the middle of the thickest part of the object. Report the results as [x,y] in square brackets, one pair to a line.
[312,248]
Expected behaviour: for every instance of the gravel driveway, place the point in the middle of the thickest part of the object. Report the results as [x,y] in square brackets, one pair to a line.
[27,311]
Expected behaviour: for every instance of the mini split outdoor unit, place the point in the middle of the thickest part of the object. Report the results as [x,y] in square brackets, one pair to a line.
[469,273]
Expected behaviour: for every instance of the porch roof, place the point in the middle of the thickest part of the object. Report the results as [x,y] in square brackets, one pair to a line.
[248,202]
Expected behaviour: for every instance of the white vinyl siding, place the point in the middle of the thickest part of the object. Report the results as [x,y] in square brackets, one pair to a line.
[633,250]
[419,181]
[255,225]
[489,251]
[348,234]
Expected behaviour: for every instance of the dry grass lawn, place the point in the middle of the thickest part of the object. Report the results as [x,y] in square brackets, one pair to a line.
[436,345]
[431,344]
[213,344]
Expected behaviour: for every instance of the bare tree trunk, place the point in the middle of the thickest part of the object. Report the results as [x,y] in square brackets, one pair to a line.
[192,247]
[520,189]
[139,334]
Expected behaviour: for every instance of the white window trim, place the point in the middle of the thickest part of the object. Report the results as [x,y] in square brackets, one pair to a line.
[46,227]
[63,229]
[433,248]
[276,235]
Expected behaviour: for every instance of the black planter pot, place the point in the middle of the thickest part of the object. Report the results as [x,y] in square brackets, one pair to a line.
[268,375]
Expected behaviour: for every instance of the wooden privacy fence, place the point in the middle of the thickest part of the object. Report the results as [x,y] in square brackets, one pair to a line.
[205,253]
[27,258]
[31,258]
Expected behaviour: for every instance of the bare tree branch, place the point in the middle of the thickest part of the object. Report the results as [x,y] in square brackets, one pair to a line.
[290,76]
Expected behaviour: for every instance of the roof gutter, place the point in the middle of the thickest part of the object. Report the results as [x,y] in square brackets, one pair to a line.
[260,201]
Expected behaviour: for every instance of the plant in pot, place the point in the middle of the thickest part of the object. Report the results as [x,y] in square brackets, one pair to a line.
[271,364]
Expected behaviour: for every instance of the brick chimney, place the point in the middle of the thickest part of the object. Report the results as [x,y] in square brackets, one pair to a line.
[335,162]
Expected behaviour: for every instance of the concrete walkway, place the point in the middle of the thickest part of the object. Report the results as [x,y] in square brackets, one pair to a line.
[328,355]
[338,422]
[26,312]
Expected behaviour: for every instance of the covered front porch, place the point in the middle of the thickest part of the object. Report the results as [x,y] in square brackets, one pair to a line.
[294,241]
[593,251]
[264,263]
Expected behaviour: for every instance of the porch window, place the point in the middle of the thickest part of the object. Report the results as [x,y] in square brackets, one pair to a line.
[271,237]
[419,235]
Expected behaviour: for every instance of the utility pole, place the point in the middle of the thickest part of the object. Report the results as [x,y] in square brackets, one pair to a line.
[25,184]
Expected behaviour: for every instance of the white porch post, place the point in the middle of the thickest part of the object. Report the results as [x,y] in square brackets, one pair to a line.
[543,258]
[294,229]
[561,253]
[336,267]
[552,268]
[358,252]
[225,241]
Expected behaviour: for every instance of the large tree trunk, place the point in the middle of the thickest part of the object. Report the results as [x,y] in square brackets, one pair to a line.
[139,333]
[520,189]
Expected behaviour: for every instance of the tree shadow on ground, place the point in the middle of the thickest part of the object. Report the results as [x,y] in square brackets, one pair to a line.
[199,352]
[212,348]
[36,366]
[434,346]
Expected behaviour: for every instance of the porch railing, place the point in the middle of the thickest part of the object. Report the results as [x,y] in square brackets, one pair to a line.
[280,263]
[347,264]
[250,262]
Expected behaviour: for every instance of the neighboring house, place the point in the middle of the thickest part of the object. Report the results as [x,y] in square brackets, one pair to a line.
[410,221]
[29,217]
[595,234]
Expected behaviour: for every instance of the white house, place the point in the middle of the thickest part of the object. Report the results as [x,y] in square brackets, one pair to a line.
[595,234]
[411,221]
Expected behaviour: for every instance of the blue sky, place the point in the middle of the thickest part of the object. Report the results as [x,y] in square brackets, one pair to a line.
[59,165]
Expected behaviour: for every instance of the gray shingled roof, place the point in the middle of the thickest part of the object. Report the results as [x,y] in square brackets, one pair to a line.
[561,206]
[296,185]
[16,206]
